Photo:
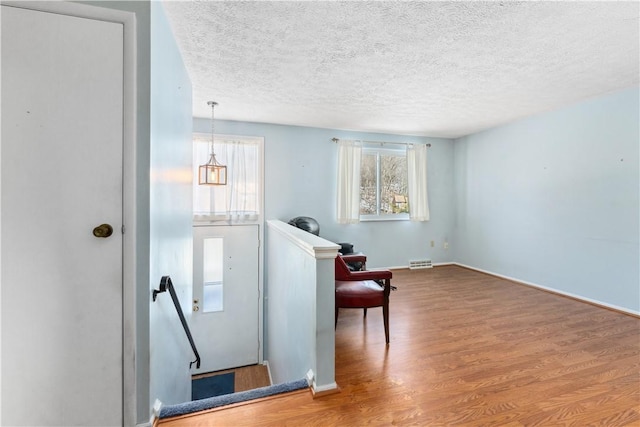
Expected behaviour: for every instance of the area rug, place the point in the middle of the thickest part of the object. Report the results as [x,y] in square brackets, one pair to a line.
[227,399]
[216,385]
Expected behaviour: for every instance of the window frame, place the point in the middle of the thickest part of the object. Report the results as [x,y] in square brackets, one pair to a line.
[379,151]
[219,219]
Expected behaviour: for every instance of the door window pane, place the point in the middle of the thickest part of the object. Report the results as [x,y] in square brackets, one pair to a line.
[212,274]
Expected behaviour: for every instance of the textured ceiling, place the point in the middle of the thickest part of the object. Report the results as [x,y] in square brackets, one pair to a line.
[423,68]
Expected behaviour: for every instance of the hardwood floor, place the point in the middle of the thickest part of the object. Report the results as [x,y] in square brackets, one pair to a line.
[468,349]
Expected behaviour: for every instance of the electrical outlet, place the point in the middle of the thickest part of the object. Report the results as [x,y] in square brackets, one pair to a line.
[446,245]
[433,244]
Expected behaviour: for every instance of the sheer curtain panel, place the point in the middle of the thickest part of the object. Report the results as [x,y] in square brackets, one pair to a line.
[348,203]
[417,182]
[239,200]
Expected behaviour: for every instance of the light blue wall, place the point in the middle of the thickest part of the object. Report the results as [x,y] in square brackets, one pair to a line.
[171,242]
[553,200]
[300,179]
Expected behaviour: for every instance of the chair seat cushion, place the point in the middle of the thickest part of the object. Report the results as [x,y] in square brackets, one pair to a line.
[358,294]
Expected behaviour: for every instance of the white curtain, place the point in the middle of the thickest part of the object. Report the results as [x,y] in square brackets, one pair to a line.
[417,182]
[348,205]
[239,200]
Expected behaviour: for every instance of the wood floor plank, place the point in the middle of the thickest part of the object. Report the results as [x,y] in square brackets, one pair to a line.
[468,349]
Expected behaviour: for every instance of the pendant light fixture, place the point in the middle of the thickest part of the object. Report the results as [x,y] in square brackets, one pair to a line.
[213,172]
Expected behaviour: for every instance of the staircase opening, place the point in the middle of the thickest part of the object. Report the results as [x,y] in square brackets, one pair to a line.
[229,381]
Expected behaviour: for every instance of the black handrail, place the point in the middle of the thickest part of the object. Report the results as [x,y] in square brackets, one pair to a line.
[165,283]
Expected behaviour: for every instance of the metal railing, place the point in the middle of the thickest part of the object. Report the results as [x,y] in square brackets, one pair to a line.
[166,284]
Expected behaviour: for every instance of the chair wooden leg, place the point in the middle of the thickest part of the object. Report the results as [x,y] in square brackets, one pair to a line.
[336,324]
[365,312]
[385,317]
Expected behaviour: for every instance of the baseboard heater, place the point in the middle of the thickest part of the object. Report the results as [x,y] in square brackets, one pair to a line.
[419,264]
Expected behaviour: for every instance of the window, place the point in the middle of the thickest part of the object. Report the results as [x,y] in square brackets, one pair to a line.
[240,199]
[383,184]
[378,183]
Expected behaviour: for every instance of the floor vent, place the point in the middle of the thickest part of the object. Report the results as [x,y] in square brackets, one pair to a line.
[421,263]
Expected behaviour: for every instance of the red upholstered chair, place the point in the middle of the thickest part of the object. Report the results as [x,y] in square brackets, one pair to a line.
[361,289]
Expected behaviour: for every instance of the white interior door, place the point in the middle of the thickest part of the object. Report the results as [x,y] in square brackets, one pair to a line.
[61,176]
[226,296]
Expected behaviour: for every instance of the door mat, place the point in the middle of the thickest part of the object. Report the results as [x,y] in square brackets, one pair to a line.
[217,385]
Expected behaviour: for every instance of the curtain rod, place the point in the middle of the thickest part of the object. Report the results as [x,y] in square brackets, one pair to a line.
[382,142]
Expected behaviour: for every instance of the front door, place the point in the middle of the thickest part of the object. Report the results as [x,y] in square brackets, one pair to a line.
[61,220]
[226,296]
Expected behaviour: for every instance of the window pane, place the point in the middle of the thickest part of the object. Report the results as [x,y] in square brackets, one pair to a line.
[368,184]
[393,184]
[212,275]
[212,297]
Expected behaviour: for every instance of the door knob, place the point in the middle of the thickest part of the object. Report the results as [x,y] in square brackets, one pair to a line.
[103,230]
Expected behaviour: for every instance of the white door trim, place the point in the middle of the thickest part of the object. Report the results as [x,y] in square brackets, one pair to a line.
[261,227]
[128,20]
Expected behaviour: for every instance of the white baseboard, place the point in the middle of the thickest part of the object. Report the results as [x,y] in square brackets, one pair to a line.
[155,414]
[266,363]
[325,387]
[324,390]
[310,377]
[535,285]
[553,290]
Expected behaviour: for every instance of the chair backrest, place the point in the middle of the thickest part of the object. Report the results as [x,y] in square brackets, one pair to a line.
[342,270]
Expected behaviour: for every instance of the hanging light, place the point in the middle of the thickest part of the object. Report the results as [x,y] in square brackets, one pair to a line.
[213,172]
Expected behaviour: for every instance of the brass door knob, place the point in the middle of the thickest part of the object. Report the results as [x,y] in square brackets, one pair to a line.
[103,230]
